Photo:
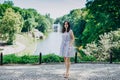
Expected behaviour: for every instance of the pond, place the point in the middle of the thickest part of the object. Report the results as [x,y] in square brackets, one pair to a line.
[50,45]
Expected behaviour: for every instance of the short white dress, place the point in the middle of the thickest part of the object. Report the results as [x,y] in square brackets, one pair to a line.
[65,49]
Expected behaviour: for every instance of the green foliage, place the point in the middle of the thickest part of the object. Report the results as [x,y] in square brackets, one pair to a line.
[31,18]
[10,59]
[47,16]
[100,16]
[76,18]
[108,43]
[50,58]
[29,24]
[82,57]
[73,59]
[10,25]
[9,3]
[78,29]
[43,24]
[28,59]
[88,58]
[34,20]
[103,16]
[116,54]
[3,8]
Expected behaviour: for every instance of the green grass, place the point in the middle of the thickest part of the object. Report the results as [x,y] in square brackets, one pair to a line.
[28,41]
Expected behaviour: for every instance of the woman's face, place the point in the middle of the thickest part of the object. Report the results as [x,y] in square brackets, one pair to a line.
[66,25]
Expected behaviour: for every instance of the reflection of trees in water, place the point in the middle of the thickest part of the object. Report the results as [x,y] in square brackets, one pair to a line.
[56,27]
[50,45]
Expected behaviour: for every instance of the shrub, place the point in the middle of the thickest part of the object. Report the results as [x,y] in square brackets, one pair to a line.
[50,58]
[109,42]
[88,58]
[28,59]
[10,59]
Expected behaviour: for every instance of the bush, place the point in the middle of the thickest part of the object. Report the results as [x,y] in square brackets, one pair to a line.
[73,59]
[10,59]
[116,54]
[28,59]
[109,42]
[51,58]
[88,58]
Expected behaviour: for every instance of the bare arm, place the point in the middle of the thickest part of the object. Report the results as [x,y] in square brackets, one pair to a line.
[72,38]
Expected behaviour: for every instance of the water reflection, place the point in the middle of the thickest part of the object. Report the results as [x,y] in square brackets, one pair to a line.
[50,45]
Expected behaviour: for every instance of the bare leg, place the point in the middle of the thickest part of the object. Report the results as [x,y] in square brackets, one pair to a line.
[67,66]
[65,61]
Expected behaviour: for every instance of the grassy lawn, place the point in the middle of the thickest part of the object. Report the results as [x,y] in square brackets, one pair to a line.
[30,43]
[27,40]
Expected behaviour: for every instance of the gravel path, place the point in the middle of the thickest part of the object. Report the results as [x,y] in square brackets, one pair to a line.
[55,72]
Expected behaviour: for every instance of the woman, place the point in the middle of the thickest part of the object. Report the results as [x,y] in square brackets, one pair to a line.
[66,49]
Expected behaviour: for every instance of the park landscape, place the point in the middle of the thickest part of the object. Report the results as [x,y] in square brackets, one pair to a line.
[26,32]
[95,26]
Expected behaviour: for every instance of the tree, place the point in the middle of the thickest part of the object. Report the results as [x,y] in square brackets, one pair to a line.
[78,30]
[29,19]
[43,24]
[29,24]
[3,8]
[9,3]
[10,25]
[49,19]
[103,16]
[77,20]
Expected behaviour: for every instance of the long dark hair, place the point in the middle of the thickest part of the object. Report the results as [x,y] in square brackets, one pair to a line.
[63,28]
